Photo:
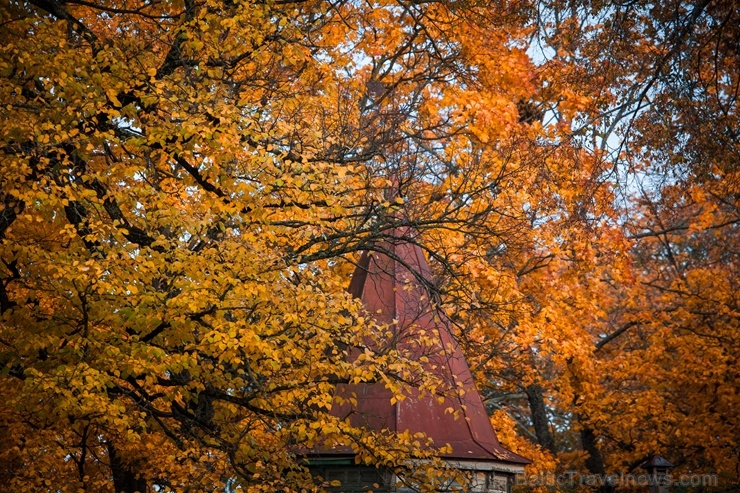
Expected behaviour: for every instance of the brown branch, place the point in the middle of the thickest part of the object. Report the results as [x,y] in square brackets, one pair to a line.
[607,339]
[54,8]
[112,10]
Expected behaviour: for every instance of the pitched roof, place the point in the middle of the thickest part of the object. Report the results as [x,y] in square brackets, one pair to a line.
[394,288]
[657,462]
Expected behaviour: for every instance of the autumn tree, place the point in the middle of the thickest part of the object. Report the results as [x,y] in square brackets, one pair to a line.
[627,309]
[183,185]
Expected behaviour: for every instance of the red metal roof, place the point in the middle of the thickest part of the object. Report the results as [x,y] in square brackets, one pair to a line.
[394,288]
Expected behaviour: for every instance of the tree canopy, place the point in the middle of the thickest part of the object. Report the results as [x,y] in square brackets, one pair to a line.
[186,186]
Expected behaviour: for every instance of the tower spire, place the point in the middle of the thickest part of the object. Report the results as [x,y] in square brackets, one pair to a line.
[394,288]
[393,282]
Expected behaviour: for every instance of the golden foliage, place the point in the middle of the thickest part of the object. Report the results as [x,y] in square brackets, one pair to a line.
[185,187]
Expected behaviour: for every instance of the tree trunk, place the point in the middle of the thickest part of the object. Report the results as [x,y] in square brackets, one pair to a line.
[539,418]
[125,479]
[595,462]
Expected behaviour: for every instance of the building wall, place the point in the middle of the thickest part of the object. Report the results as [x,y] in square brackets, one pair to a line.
[360,479]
